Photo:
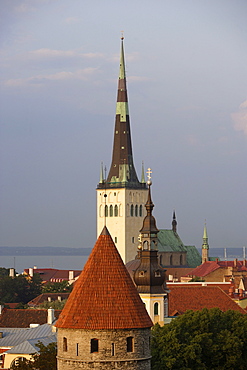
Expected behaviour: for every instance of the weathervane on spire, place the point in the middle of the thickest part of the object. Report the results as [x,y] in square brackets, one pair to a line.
[149,171]
[122,37]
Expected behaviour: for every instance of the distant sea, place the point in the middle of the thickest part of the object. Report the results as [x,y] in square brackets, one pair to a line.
[73,261]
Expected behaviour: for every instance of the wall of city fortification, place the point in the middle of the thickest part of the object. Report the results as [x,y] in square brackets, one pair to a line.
[75,351]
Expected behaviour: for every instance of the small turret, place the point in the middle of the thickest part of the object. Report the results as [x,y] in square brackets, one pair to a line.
[174,223]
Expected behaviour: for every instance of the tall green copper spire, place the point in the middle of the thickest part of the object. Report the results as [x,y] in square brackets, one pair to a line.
[122,171]
[205,245]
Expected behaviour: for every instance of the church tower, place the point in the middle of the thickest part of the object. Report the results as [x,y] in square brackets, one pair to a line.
[205,245]
[121,196]
[149,276]
[104,324]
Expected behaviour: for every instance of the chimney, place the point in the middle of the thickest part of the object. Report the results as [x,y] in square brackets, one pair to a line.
[35,267]
[231,290]
[59,298]
[49,299]
[71,275]
[241,293]
[30,272]
[235,262]
[11,272]
[1,309]
[50,316]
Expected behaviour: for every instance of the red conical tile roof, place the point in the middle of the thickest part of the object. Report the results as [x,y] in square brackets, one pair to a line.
[104,296]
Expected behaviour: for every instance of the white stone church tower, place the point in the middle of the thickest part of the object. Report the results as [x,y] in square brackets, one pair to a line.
[121,196]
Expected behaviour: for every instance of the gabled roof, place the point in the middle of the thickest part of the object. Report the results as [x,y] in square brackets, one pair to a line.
[13,337]
[169,241]
[14,318]
[29,345]
[53,275]
[44,298]
[183,298]
[104,296]
[204,269]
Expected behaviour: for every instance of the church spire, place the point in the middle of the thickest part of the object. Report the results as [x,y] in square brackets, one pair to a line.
[174,222]
[122,171]
[205,245]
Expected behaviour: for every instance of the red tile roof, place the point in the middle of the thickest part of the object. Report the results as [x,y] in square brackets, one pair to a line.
[104,296]
[14,318]
[53,275]
[204,269]
[207,267]
[186,298]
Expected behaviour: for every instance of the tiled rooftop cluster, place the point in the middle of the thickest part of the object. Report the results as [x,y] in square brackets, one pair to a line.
[15,318]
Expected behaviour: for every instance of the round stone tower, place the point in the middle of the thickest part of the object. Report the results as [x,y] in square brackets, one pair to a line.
[104,324]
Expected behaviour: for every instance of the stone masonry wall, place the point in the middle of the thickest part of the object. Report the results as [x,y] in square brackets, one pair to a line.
[79,356]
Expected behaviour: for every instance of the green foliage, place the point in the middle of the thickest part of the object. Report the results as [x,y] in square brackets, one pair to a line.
[57,305]
[62,287]
[196,279]
[4,271]
[20,288]
[201,340]
[44,360]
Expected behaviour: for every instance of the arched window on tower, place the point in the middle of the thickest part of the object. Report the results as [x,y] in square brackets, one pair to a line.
[116,211]
[136,210]
[130,344]
[106,211]
[131,210]
[94,345]
[140,211]
[156,308]
[111,210]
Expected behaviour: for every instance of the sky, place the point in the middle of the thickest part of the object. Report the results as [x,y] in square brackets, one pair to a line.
[186,66]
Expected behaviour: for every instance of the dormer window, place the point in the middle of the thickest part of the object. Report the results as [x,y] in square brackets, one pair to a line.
[141,273]
[157,273]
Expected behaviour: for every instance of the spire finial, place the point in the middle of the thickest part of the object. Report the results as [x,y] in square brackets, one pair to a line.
[122,35]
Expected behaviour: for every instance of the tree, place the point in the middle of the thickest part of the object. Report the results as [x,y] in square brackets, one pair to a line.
[44,360]
[201,340]
[59,287]
[57,305]
[21,288]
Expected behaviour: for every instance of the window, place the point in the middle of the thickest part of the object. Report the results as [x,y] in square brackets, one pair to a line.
[77,349]
[156,308]
[171,260]
[106,211]
[111,210]
[94,345]
[116,211]
[157,273]
[181,259]
[113,349]
[130,344]
[140,211]
[65,344]
[136,210]
[131,210]
[133,239]
[115,239]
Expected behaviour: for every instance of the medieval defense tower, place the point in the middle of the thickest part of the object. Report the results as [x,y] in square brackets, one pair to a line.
[121,196]
[104,324]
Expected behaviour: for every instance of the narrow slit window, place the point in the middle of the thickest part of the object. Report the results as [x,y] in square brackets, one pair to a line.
[130,344]
[65,344]
[113,349]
